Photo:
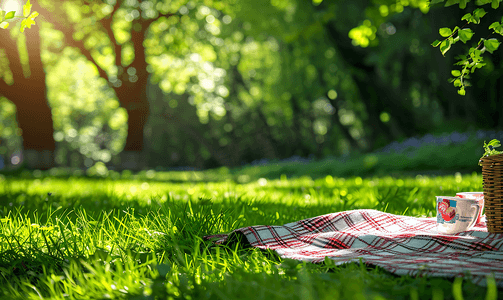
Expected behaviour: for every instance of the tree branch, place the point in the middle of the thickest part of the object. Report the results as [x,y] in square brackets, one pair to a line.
[107,24]
[148,22]
[65,27]
[85,52]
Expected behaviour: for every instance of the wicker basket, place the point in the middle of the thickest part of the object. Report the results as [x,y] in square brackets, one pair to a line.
[492,176]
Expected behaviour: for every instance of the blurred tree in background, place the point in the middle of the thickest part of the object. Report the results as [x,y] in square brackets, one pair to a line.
[202,84]
[23,83]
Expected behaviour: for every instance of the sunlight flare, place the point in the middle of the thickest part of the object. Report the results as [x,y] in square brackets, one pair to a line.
[12,5]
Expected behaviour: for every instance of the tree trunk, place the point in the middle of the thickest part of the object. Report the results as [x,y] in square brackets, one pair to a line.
[130,87]
[29,93]
[137,107]
[132,95]
[134,99]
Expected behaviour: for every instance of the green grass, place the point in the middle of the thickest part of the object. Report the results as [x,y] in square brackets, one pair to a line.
[140,236]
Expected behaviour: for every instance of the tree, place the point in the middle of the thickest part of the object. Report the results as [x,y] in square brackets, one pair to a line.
[24,84]
[111,34]
[228,84]
[370,64]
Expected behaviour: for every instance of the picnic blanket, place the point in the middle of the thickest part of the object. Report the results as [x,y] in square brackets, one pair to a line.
[400,244]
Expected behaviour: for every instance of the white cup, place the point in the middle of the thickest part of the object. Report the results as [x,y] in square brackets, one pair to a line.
[479,196]
[456,214]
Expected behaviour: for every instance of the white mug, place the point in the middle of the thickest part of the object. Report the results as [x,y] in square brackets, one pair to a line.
[479,196]
[456,214]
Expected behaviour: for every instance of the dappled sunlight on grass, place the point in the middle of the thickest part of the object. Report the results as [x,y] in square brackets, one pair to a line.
[79,236]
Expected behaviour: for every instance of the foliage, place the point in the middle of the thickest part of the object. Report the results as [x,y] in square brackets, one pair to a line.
[91,124]
[10,137]
[380,13]
[231,83]
[28,17]
[489,149]
[473,60]
[137,238]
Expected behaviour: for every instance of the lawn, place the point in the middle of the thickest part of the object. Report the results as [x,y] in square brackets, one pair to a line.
[140,236]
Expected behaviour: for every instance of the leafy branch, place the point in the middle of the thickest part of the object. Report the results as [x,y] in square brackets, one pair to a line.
[28,17]
[489,149]
[473,60]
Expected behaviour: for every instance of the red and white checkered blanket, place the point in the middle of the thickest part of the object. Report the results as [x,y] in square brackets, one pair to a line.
[400,244]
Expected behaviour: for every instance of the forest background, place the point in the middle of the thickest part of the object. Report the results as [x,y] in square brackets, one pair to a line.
[206,83]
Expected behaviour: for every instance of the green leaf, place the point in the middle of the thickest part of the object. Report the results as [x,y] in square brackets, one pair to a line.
[497,27]
[445,32]
[465,35]
[466,17]
[457,83]
[436,43]
[478,14]
[495,143]
[462,4]
[456,73]
[491,45]
[445,46]
[33,16]
[4,25]
[495,4]
[494,25]
[10,15]
[436,1]
[475,53]
[26,23]
[462,91]
[27,9]
[451,2]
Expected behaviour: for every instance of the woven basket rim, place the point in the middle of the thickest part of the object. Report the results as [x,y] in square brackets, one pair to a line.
[492,158]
